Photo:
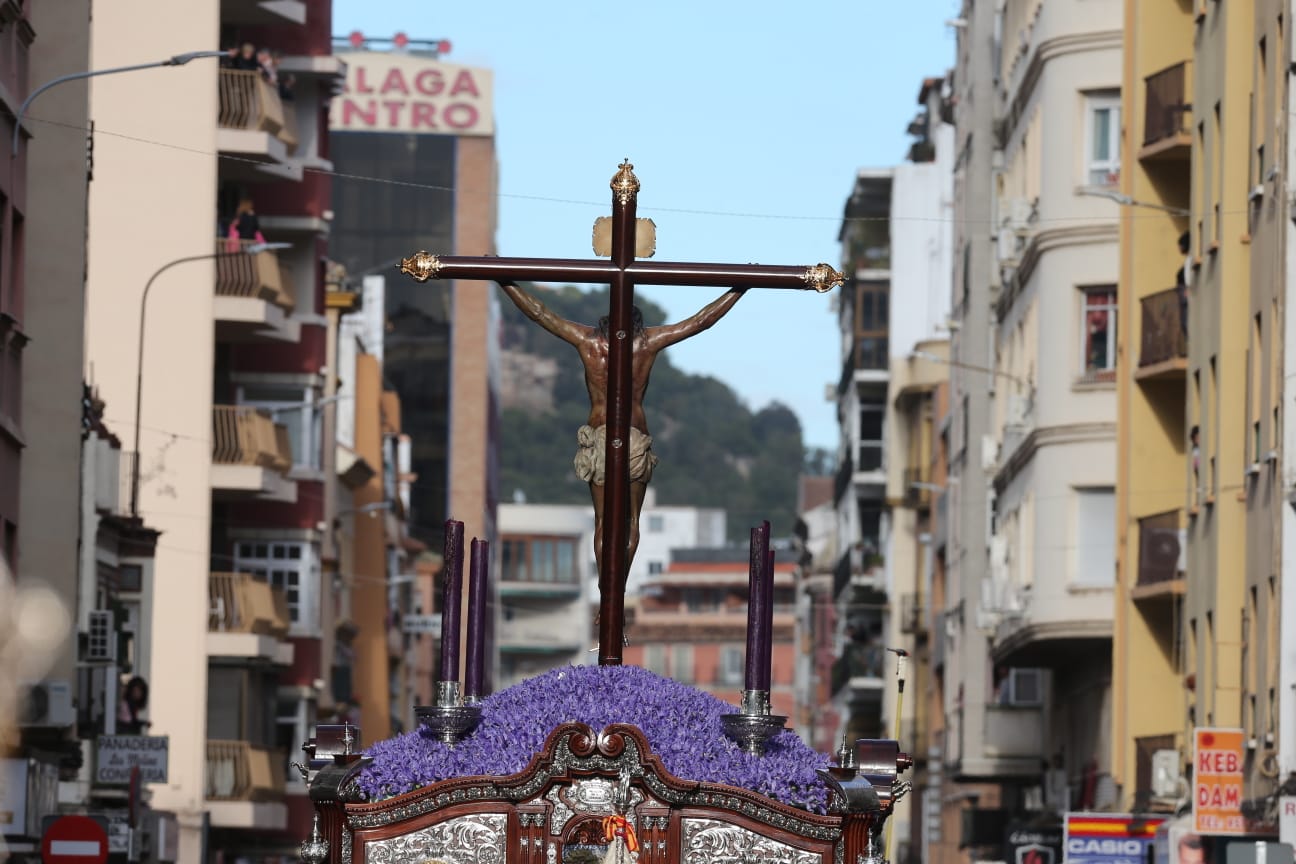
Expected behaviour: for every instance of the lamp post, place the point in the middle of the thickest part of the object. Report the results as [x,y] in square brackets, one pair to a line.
[252,249]
[177,60]
[936,358]
[1126,201]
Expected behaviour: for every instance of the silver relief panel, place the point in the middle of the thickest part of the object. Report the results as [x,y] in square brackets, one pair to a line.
[710,841]
[475,839]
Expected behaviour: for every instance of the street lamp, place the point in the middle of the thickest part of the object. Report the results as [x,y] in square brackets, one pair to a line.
[936,358]
[1127,201]
[251,249]
[177,60]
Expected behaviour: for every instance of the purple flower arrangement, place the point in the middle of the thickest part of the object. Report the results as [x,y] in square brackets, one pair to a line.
[682,725]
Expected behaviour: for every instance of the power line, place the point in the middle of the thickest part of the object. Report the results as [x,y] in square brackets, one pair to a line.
[550,199]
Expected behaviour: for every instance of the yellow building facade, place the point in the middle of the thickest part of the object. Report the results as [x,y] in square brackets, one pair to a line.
[1199,421]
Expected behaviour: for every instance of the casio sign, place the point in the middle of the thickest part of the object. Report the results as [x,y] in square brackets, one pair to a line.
[1094,846]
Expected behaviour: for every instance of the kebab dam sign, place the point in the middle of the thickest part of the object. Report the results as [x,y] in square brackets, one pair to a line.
[410,94]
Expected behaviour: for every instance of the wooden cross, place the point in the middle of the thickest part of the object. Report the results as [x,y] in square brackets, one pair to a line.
[622,273]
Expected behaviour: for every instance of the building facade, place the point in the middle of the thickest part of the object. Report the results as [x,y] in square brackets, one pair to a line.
[548,587]
[1049,592]
[690,624]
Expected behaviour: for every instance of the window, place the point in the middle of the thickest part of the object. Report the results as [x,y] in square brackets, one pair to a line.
[656,523]
[682,663]
[539,559]
[1103,156]
[1098,333]
[293,406]
[730,670]
[655,659]
[870,436]
[655,568]
[290,566]
[1095,537]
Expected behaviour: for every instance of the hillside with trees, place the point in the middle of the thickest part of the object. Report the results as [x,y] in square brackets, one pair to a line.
[713,450]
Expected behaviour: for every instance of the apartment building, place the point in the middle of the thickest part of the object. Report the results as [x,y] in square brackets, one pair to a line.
[859,487]
[815,545]
[690,624]
[548,588]
[231,327]
[1047,601]
[1202,557]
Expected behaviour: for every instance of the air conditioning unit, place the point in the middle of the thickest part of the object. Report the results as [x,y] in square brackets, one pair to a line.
[1024,688]
[1162,554]
[47,704]
[101,638]
[1165,775]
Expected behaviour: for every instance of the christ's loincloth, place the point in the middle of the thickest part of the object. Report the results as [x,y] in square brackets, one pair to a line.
[591,456]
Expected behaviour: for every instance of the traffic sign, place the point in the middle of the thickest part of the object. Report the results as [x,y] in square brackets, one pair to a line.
[74,840]
[422,624]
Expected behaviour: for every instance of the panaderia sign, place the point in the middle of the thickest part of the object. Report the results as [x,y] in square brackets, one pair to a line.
[406,93]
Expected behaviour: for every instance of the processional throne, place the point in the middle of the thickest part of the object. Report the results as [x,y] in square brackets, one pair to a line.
[583,794]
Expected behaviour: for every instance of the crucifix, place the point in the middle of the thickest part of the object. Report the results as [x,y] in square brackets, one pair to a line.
[630,238]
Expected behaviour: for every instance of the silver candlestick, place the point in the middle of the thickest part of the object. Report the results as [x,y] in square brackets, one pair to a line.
[450,719]
[754,725]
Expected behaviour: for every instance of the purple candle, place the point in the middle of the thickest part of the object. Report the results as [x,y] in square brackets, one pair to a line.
[473,667]
[452,592]
[756,614]
[767,647]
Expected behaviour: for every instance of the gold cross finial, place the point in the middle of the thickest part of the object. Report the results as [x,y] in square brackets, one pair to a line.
[624,183]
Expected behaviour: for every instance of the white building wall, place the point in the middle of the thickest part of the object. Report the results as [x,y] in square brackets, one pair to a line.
[663,528]
[922,241]
[170,190]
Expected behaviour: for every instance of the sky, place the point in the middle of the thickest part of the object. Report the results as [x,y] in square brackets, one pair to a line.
[746,123]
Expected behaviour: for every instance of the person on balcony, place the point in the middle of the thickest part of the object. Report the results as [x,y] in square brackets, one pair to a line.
[246,59]
[1183,281]
[245,228]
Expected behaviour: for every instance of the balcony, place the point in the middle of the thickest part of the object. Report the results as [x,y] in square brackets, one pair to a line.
[1167,118]
[523,636]
[251,454]
[916,492]
[913,615]
[252,123]
[253,298]
[1014,733]
[247,618]
[559,589]
[1161,556]
[245,786]
[858,673]
[1163,350]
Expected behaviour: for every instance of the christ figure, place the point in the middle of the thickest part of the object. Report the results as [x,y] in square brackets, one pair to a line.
[592,345]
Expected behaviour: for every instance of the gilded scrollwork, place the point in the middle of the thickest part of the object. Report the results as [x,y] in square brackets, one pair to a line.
[475,839]
[822,278]
[422,266]
[624,183]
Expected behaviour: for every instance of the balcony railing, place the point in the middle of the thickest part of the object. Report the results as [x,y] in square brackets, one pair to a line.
[247,436]
[248,102]
[1160,548]
[912,614]
[858,661]
[237,771]
[258,275]
[1163,328]
[1168,113]
[241,603]
[916,495]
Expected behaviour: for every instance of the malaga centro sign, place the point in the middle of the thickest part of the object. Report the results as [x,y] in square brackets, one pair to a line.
[410,94]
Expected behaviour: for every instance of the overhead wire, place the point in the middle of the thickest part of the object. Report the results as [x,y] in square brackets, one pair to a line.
[552,199]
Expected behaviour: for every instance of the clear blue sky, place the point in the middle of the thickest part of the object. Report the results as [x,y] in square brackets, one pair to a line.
[758,108]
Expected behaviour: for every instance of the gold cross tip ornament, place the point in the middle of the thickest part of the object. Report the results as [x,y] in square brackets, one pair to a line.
[624,183]
[422,266]
[823,278]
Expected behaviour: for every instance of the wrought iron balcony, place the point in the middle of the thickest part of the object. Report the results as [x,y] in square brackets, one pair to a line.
[259,275]
[249,103]
[237,771]
[1161,548]
[1164,338]
[1167,118]
[240,603]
